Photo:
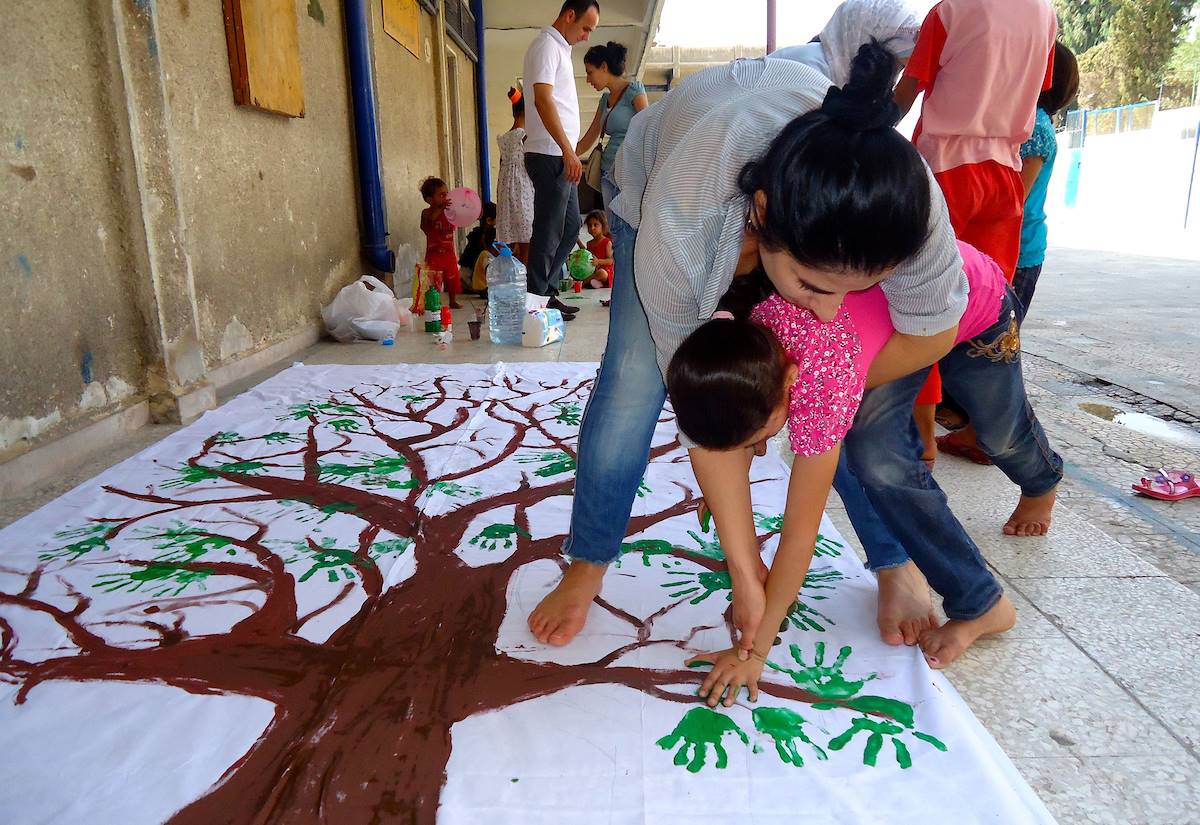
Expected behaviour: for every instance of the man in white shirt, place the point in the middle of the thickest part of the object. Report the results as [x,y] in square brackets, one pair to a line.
[552,126]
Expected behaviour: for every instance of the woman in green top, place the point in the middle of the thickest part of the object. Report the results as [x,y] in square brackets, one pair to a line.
[605,68]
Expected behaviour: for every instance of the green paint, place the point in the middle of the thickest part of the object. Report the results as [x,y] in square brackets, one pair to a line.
[879,729]
[86,539]
[706,521]
[187,543]
[344,425]
[803,616]
[279,438]
[643,489]
[648,548]
[705,584]
[226,438]
[827,547]
[495,536]
[159,579]
[299,411]
[316,12]
[337,563]
[453,489]
[570,414]
[374,472]
[389,547]
[786,728]
[769,524]
[822,580]
[415,399]
[699,729]
[195,473]
[826,681]
[709,549]
[553,463]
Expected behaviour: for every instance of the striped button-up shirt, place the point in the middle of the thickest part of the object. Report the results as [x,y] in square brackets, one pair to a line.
[677,173]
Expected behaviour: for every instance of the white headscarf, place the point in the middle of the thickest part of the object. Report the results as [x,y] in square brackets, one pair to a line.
[855,22]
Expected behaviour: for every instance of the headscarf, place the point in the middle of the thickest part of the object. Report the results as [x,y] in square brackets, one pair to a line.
[855,22]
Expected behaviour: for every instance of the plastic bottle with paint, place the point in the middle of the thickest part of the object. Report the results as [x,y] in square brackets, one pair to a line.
[433,310]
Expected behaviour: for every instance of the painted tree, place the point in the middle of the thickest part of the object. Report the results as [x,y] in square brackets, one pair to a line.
[370,648]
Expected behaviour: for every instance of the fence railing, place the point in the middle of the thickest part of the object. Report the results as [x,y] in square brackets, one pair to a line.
[1080,124]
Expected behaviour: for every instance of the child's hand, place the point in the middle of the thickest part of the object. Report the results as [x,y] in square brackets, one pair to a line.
[729,674]
[749,605]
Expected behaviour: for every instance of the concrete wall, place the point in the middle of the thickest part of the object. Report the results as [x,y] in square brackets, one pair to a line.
[151,231]
[71,341]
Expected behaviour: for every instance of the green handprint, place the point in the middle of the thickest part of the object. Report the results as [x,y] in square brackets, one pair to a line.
[195,473]
[706,584]
[804,617]
[279,438]
[335,561]
[162,579]
[822,580]
[226,438]
[826,681]
[376,471]
[708,549]
[87,538]
[494,536]
[643,489]
[785,727]
[554,463]
[389,546]
[648,548]
[768,524]
[298,411]
[453,489]
[568,414]
[877,729]
[697,730]
[827,547]
[344,425]
[415,399]
[186,543]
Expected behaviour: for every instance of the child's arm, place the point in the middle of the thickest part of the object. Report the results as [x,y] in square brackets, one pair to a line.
[608,259]
[427,218]
[1031,167]
[724,477]
[905,354]
[812,478]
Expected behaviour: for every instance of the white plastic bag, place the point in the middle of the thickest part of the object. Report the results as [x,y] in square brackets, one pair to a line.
[367,299]
[542,327]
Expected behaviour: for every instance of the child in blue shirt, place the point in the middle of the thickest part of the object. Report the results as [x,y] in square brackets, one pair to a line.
[1037,164]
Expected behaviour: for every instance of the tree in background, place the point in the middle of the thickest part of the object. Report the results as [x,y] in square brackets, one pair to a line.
[1083,24]
[1127,66]
[1182,79]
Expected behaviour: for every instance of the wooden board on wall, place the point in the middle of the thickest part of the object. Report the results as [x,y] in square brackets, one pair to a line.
[402,21]
[264,55]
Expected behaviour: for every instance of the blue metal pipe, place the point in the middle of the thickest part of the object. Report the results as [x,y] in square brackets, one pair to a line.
[366,138]
[481,110]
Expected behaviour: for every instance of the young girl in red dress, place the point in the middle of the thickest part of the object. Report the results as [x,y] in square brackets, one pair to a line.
[601,248]
[439,237]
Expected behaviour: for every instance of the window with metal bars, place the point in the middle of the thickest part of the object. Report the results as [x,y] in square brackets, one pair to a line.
[460,25]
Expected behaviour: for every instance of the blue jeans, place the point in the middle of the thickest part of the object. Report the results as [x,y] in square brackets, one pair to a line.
[883,450]
[1024,284]
[620,417]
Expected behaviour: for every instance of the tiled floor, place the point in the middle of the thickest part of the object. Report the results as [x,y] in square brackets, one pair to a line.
[1093,694]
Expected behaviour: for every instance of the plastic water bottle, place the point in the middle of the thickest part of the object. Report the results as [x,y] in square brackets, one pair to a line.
[506,297]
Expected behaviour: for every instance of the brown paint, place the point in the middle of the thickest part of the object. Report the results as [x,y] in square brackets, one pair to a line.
[361,731]
[26,173]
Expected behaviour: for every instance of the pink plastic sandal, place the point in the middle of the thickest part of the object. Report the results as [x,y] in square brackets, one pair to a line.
[1169,485]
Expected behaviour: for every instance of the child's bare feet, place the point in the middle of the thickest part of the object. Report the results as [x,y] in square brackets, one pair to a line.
[905,610]
[562,614]
[1032,516]
[942,645]
[455,305]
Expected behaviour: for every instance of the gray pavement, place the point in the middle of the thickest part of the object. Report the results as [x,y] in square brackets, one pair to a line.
[1093,693]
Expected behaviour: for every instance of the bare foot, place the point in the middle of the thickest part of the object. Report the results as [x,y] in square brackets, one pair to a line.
[905,611]
[563,613]
[924,416]
[942,645]
[1032,516]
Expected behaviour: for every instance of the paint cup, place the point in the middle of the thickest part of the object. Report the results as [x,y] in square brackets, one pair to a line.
[577,286]
[474,327]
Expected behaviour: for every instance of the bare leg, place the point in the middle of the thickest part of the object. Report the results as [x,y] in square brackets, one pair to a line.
[905,610]
[943,645]
[924,416]
[521,252]
[562,614]
[1032,516]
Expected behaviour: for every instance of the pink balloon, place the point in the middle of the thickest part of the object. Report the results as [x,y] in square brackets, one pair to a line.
[464,207]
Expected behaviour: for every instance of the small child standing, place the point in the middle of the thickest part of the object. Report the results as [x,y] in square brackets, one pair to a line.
[439,237]
[601,248]
[1037,164]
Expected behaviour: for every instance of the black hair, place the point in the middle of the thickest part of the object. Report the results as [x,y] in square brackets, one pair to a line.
[1064,82]
[580,7]
[518,101]
[611,54]
[598,215]
[844,190]
[430,185]
[489,211]
[725,381]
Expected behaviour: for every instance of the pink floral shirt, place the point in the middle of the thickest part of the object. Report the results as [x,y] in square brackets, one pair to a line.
[830,384]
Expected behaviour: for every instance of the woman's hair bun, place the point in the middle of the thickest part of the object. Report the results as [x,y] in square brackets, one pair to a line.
[866,101]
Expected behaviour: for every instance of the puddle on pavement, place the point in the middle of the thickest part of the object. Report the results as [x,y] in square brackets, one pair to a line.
[1171,431]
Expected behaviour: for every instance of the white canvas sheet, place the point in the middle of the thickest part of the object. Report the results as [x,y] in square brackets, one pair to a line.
[310,606]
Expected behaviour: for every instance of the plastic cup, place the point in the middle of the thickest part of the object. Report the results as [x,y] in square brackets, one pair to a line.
[474,327]
[577,286]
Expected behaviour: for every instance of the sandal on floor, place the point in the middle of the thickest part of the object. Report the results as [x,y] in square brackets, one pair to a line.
[946,444]
[1168,485]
